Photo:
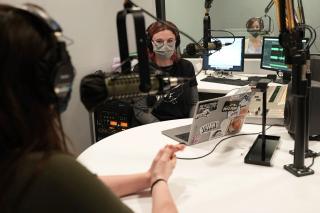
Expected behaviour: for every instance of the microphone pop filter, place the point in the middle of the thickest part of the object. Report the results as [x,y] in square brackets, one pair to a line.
[93,91]
[191,49]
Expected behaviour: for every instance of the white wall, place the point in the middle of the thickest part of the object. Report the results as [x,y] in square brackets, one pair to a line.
[92,26]
[188,16]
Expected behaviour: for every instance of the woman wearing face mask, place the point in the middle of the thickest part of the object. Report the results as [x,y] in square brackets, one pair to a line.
[254,42]
[163,40]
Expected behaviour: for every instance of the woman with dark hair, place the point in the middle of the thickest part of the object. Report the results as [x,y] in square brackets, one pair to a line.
[37,172]
[163,39]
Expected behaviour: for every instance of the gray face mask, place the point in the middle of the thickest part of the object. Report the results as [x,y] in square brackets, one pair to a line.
[255,34]
[164,51]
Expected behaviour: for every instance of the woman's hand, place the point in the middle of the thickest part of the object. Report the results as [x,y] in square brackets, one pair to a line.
[164,162]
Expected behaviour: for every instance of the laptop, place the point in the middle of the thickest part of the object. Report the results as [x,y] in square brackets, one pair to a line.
[214,118]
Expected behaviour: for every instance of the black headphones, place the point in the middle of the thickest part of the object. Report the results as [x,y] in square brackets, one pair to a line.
[170,26]
[252,20]
[56,64]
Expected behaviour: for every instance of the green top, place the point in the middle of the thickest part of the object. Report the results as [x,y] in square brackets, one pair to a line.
[60,185]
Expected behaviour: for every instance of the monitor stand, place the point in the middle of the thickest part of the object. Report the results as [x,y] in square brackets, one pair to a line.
[285,78]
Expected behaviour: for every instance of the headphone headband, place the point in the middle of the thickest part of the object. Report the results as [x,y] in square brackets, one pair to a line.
[42,15]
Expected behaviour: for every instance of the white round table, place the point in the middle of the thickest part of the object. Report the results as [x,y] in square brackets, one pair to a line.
[220,182]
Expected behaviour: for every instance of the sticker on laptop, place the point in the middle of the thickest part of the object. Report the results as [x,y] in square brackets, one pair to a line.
[216,134]
[195,139]
[230,106]
[205,109]
[209,127]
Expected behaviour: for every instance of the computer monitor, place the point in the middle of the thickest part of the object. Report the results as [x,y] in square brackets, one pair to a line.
[229,58]
[273,57]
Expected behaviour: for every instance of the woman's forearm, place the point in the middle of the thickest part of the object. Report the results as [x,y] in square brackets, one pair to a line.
[162,200]
[123,185]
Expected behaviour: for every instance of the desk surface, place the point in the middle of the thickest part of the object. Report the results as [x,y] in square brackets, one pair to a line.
[211,87]
[251,66]
[220,182]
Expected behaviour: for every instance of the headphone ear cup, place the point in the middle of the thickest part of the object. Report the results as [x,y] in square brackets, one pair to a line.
[56,74]
[63,72]
[178,40]
[43,74]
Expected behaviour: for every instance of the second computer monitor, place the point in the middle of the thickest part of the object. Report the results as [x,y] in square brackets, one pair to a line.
[229,58]
[273,56]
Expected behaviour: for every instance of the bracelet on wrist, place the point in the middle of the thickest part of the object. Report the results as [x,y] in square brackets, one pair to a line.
[157,181]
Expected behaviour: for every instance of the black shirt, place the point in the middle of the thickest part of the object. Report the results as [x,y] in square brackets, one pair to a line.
[178,102]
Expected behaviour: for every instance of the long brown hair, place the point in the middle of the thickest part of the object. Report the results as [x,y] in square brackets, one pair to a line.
[28,122]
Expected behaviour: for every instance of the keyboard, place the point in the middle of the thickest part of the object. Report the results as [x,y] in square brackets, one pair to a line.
[236,82]
[184,136]
[256,78]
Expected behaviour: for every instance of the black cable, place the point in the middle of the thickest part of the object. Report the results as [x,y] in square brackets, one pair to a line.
[232,136]
[314,156]
[200,40]
[199,71]
[313,35]
[226,31]
[312,162]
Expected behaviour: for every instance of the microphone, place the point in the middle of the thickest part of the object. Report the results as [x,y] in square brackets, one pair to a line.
[98,87]
[194,49]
